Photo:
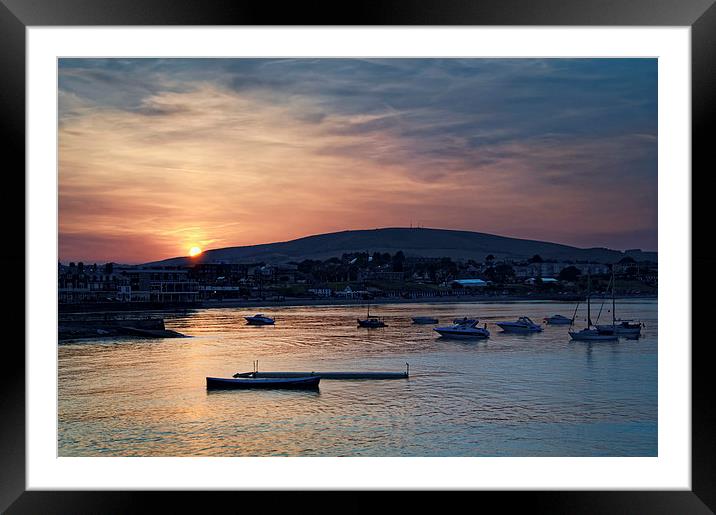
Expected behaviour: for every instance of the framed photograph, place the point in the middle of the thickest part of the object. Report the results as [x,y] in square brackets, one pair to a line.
[418,249]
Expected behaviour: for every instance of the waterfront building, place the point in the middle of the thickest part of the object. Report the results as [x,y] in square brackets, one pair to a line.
[350,293]
[545,280]
[321,291]
[78,283]
[547,269]
[219,273]
[470,283]
[162,284]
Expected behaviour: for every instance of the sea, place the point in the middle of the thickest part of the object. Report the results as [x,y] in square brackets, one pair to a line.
[510,395]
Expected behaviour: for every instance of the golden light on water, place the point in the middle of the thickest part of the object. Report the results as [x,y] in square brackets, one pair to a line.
[194,251]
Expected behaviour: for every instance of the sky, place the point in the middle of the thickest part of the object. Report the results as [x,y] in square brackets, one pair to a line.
[157,156]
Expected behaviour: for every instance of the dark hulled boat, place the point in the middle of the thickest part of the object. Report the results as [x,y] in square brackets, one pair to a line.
[627,328]
[221,383]
[371,322]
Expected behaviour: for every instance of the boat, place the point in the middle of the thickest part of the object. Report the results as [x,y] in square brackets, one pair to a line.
[627,328]
[521,325]
[260,319]
[558,320]
[467,328]
[371,322]
[324,375]
[591,333]
[425,320]
[224,383]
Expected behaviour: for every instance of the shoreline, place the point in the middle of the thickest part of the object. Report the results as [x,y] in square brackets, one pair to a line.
[424,300]
[296,302]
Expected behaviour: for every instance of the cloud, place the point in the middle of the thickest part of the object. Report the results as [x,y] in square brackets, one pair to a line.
[229,152]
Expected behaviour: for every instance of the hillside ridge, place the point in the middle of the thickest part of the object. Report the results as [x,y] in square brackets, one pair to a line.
[414,242]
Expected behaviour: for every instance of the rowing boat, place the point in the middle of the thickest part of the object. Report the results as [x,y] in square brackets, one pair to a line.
[243,383]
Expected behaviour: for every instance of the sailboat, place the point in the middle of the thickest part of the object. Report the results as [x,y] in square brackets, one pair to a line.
[591,333]
[627,328]
[371,321]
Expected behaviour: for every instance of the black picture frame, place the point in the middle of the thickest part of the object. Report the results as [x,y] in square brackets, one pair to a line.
[17,15]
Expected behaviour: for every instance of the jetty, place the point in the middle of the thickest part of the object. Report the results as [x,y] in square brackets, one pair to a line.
[328,375]
[107,326]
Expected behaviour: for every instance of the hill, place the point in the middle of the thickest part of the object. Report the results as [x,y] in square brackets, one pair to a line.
[459,245]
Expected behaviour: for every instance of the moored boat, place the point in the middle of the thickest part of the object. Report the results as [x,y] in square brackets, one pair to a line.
[558,320]
[521,325]
[224,383]
[260,319]
[371,322]
[627,328]
[591,333]
[465,329]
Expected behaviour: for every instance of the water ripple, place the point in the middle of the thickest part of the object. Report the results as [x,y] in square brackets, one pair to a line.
[511,395]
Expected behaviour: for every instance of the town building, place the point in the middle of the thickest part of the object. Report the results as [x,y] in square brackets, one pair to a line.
[321,291]
[78,283]
[470,283]
[162,284]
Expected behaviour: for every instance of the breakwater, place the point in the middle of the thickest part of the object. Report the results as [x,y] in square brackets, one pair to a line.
[106,326]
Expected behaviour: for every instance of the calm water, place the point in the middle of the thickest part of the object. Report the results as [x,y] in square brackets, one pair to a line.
[512,395]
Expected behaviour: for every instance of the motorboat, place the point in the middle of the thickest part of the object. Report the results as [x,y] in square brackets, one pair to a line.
[425,320]
[260,319]
[521,325]
[558,320]
[467,328]
[221,383]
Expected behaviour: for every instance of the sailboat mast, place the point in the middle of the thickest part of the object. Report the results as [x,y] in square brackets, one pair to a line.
[614,320]
[589,307]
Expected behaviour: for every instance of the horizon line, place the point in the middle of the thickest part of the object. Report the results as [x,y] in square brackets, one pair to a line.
[204,251]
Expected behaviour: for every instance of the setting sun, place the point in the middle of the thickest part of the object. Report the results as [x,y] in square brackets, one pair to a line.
[194,251]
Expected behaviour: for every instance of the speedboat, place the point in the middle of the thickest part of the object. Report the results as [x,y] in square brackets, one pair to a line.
[467,328]
[521,325]
[260,319]
[425,320]
[558,320]
[593,335]
[627,328]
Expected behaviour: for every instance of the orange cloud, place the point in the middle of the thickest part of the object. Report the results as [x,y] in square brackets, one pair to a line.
[213,167]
